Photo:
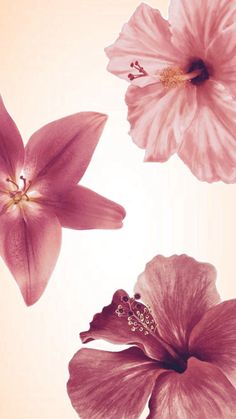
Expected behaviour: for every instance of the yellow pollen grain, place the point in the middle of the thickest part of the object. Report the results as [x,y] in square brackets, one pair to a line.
[172,77]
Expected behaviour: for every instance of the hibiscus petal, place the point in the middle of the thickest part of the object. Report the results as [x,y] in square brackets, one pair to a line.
[213,339]
[30,243]
[209,144]
[222,53]
[158,117]
[81,208]
[201,392]
[179,291]
[116,329]
[111,384]
[195,23]
[146,38]
[58,154]
[11,147]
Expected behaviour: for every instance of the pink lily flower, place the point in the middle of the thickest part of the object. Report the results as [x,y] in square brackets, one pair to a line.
[183,353]
[39,195]
[183,84]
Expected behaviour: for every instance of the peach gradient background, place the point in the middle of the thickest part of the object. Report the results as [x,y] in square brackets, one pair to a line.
[53,64]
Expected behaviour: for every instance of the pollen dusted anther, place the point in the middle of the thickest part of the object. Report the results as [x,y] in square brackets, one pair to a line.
[140,69]
[172,77]
[138,316]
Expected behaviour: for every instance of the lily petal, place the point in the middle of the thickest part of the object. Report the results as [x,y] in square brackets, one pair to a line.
[81,208]
[213,156]
[179,291]
[202,391]
[11,147]
[213,339]
[146,38]
[195,24]
[111,384]
[116,329]
[58,154]
[222,53]
[30,242]
[156,124]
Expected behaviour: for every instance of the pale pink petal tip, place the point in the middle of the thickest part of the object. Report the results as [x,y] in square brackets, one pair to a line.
[145,40]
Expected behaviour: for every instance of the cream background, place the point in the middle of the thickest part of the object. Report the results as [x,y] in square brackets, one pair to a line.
[52,65]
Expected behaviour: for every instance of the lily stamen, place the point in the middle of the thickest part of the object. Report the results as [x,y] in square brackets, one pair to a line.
[17,195]
[24,180]
[12,181]
[25,189]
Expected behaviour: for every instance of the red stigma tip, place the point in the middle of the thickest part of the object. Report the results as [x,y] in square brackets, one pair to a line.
[141,72]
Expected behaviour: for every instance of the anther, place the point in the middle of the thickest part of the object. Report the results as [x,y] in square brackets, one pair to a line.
[24,180]
[25,189]
[12,181]
[137,314]
[172,77]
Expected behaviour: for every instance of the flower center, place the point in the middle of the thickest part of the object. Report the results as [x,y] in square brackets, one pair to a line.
[204,72]
[20,193]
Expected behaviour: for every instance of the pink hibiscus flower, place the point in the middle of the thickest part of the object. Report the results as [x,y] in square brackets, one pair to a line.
[39,195]
[183,84]
[184,353]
